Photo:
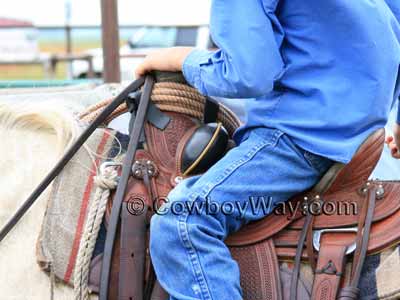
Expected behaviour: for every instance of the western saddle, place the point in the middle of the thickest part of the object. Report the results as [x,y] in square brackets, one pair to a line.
[343,215]
[316,232]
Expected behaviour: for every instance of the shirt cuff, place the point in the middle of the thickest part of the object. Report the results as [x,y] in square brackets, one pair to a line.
[192,65]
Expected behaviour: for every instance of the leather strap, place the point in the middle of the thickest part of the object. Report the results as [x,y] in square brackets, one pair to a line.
[330,268]
[132,254]
[68,156]
[358,263]
[211,108]
[299,250]
[309,244]
[155,116]
[120,192]
[360,226]
[150,282]
[351,292]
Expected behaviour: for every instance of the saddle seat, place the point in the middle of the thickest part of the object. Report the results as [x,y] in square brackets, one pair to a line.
[342,183]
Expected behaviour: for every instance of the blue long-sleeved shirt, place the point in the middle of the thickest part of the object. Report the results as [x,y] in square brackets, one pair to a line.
[324,72]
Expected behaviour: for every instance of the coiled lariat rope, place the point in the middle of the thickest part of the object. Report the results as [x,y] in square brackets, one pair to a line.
[105,183]
[172,97]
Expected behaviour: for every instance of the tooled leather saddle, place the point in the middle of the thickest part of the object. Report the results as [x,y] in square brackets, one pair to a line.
[317,232]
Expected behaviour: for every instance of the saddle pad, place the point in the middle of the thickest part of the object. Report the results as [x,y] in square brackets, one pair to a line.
[67,207]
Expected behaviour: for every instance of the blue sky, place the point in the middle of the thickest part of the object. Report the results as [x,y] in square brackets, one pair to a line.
[87,12]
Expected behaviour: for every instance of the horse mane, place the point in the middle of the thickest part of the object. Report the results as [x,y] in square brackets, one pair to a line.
[47,117]
[43,116]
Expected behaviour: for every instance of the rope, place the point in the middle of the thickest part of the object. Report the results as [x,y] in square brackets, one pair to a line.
[105,183]
[172,97]
[52,282]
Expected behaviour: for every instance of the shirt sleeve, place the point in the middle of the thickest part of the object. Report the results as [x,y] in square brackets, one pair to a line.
[398,112]
[248,62]
[394,6]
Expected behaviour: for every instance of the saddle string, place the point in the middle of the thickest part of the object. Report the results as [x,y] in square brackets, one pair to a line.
[94,154]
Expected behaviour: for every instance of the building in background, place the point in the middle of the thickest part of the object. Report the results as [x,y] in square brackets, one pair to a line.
[18,40]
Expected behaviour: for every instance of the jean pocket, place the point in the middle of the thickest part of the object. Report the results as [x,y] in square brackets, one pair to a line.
[319,163]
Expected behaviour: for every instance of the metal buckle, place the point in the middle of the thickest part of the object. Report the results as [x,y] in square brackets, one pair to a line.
[318,233]
[108,164]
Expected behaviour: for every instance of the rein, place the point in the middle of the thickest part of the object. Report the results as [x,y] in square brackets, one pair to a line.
[100,119]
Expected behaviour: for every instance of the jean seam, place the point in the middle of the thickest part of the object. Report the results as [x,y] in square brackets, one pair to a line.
[182,219]
[193,256]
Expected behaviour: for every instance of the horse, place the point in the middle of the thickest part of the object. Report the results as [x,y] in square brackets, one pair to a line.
[33,137]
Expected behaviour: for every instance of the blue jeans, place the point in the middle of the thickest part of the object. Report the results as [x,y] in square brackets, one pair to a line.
[187,236]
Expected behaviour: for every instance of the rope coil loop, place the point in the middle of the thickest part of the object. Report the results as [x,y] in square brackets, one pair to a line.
[105,182]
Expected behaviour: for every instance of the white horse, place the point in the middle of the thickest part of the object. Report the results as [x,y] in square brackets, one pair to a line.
[33,136]
[36,126]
